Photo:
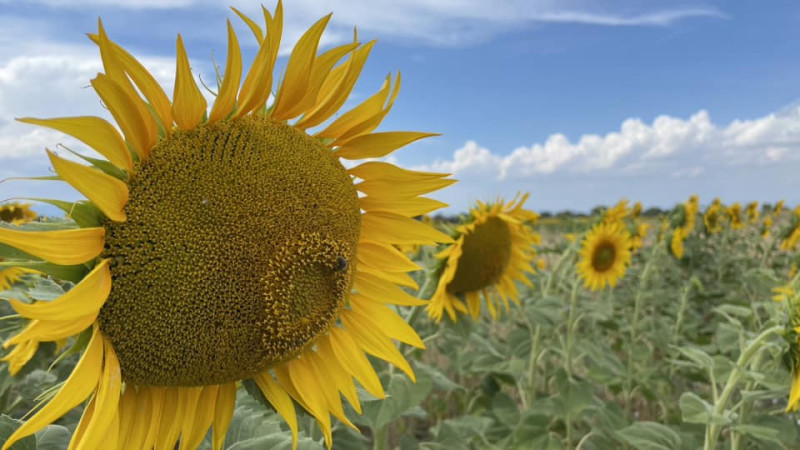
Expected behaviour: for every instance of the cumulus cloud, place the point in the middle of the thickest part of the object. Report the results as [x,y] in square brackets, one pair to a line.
[668,142]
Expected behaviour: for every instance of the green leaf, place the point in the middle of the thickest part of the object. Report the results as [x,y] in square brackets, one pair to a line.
[72,274]
[402,395]
[46,290]
[505,409]
[53,437]
[696,410]
[699,357]
[440,380]
[650,436]
[7,427]
[759,432]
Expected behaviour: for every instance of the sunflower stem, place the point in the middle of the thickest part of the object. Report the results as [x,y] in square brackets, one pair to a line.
[713,429]
[637,306]
[571,326]
[566,256]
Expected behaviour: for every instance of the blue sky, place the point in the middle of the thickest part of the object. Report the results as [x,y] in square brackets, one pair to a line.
[578,102]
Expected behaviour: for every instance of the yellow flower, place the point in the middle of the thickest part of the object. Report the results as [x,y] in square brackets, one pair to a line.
[691,208]
[570,237]
[735,216]
[232,246]
[676,244]
[541,263]
[638,239]
[714,217]
[17,213]
[752,212]
[493,250]
[766,227]
[637,210]
[782,293]
[617,212]
[778,208]
[605,255]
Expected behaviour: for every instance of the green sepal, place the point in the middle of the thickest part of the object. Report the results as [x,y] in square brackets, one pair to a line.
[78,346]
[104,166]
[73,274]
[83,212]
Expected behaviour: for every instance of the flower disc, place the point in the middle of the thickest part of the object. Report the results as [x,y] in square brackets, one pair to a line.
[485,255]
[238,251]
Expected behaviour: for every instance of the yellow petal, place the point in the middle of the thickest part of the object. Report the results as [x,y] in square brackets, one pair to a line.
[398,278]
[336,88]
[355,362]
[368,120]
[339,375]
[408,207]
[321,68]
[327,387]
[378,289]
[226,98]
[124,109]
[65,247]
[128,412]
[20,356]
[382,318]
[50,330]
[85,299]
[109,194]
[384,257]
[116,72]
[376,145]
[195,426]
[383,171]
[223,413]
[343,125]
[94,132]
[157,398]
[188,103]
[279,400]
[375,342]
[75,390]
[169,426]
[258,82]
[106,401]
[298,72]
[259,35]
[395,229]
[389,189]
[83,424]
[307,386]
[11,275]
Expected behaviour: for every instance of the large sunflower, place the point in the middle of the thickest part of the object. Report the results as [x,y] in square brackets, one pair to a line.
[493,250]
[17,213]
[231,245]
[605,255]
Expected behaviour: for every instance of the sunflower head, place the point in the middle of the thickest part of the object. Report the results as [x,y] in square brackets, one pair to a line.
[751,211]
[778,208]
[492,251]
[734,213]
[17,213]
[617,212]
[605,255]
[637,210]
[229,244]
[713,218]
[676,242]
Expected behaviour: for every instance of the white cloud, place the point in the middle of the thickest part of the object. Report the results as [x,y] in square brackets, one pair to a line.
[439,22]
[668,142]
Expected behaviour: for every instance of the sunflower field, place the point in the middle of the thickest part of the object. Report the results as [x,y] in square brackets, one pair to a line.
[252,272]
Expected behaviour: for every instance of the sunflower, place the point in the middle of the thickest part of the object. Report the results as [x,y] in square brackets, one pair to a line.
[617,212]
[778,208]
[676,243]
[637,210]
[751,212]
[792,353]
[17,213]
[691,208]
[493,249]
[735,216]
[231,245]
[766,227]
[637,241]
[605,255]
[713,217]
